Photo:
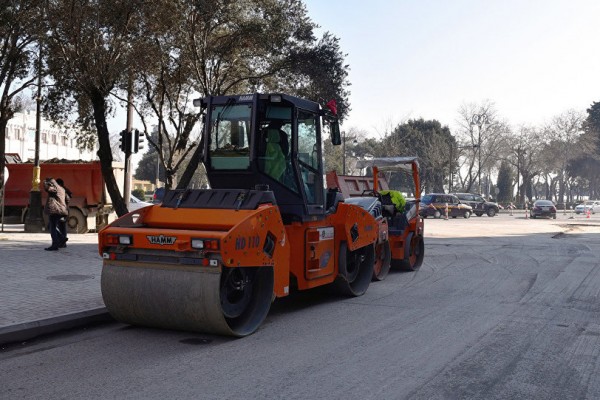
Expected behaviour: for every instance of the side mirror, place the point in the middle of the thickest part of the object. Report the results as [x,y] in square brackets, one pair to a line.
[336,138]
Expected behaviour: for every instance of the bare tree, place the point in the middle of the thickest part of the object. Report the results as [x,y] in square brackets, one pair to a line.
[522,150]
[480,129]
[562,135]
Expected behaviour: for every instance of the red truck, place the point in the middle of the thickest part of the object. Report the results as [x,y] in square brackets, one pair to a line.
[90,207]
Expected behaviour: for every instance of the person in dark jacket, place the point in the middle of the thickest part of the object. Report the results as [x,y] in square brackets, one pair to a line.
[63,221]
[55,208]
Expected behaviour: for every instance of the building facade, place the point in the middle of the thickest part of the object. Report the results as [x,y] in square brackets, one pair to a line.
[54,142]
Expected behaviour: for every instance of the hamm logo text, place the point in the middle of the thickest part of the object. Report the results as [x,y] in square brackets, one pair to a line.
[161,239]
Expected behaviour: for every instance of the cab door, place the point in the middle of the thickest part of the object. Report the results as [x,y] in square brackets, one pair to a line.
[310,163]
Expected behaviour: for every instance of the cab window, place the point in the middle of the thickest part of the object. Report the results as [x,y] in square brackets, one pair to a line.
[229,146]
[309,159]
[275,145]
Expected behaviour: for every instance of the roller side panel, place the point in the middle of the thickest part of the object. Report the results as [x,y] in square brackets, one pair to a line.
[350,224]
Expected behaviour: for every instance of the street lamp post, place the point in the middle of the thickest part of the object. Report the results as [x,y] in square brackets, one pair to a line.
[518,171]
[520,154]
[451,178]
[479,120]
[34,221]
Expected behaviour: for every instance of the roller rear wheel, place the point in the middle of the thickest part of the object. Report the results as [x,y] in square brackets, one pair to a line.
[383,258]
[414,252]
[246,295]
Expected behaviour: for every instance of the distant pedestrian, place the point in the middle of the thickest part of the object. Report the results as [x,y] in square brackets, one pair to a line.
[63,220]
[55,208]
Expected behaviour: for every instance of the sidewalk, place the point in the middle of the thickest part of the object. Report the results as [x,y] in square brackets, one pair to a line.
[45,291]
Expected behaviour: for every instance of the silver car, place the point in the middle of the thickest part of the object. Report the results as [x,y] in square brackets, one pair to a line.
[591,205]
[136,204]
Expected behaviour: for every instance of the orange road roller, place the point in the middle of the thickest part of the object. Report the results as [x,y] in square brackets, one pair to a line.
[213,260]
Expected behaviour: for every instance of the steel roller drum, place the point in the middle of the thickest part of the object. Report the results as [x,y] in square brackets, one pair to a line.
[180,298]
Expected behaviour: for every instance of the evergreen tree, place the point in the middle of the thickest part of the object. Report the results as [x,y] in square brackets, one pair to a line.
[505,183]
[428,140]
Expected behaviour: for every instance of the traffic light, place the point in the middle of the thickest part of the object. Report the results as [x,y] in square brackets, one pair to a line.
[138,141]
[125,141]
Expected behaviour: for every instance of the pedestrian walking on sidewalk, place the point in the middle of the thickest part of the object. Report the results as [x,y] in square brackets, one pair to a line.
[63,220]
[55,208]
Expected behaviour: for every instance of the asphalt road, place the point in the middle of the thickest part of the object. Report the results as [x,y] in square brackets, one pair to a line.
[502,308]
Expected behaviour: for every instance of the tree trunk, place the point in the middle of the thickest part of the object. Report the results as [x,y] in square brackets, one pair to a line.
[561,188]
[105,153]
[190,169]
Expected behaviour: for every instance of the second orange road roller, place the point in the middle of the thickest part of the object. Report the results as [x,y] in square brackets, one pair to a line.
[213,260]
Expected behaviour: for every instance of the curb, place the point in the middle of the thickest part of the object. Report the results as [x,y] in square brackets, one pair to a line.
[29,330]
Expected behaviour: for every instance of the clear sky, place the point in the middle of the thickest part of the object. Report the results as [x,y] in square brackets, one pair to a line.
[424,58]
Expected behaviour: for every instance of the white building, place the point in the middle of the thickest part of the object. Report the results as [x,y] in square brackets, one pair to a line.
[54,142]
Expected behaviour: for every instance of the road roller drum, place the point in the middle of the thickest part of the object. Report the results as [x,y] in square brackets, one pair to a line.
[190,299]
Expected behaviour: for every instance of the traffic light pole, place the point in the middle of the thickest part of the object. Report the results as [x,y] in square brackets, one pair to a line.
[129,133]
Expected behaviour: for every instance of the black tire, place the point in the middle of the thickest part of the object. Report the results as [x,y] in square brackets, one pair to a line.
[383,261]
[76,221]
[355,270]
[437,214]
[467,214]
[414,252]
[246,295]
[491,212]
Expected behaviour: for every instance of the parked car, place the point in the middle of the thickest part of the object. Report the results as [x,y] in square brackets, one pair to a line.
[158,195]
[543,208]
[136,204]
[434,205]
[591,205]
[479,204]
